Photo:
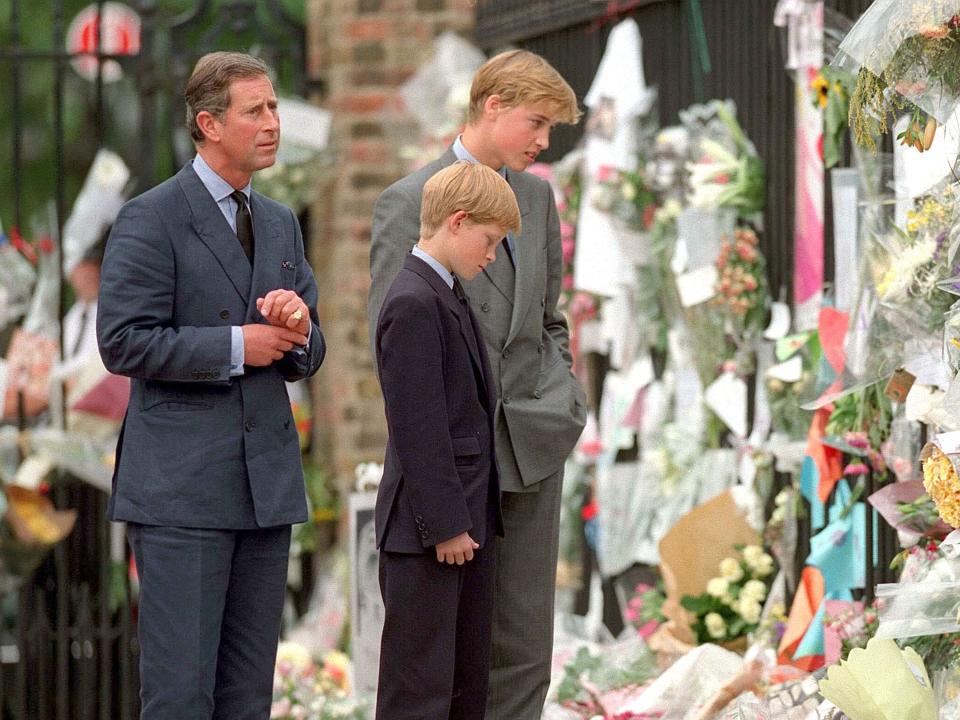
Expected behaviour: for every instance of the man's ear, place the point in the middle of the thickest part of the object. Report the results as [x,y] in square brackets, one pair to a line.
[493,104]
[209,125]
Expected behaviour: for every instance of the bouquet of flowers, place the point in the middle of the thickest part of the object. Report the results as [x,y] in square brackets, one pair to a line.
[831,89]
[626,196]
[593,682]
[942,484]
[304,691]
[732,604]
[742,283]
[854,625]
[907,55]
[645,609]
[726,171]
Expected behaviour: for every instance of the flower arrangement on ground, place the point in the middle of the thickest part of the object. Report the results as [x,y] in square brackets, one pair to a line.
[303,690]
[733,602]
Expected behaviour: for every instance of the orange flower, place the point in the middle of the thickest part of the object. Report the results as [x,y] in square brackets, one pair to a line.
[935,32]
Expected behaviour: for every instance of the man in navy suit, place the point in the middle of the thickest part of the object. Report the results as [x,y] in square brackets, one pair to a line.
[208,304]
[438,506]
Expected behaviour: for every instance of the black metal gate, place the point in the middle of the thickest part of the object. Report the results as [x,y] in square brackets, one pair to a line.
[68,636]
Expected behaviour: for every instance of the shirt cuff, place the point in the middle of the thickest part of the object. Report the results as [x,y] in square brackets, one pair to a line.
[236,351]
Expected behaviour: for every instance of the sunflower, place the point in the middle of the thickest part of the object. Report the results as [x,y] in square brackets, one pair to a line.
[821,88]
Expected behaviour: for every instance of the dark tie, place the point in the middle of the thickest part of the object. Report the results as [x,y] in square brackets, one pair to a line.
[506,246]
[244,224]
[458,290]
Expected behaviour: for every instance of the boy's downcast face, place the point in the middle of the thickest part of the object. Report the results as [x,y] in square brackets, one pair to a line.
[521,133]
[473,248]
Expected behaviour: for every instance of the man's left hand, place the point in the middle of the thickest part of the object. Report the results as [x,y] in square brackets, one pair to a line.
[284,308]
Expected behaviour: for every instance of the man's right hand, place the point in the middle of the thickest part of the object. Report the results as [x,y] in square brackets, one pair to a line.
[263,344]
[457,549]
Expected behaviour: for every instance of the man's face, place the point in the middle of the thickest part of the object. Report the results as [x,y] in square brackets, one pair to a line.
[250,131]
[473,248]
[519,134]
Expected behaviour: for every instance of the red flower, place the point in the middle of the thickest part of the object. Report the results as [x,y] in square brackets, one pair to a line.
[604,172]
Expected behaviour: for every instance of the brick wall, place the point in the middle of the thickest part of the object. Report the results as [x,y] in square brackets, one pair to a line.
[362,50]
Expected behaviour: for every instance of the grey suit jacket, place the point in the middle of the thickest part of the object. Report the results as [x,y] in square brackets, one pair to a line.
[542,409]
[199,448]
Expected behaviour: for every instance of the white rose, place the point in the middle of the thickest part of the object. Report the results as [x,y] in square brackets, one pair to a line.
[749,610]
[754,590]
[716,627]
[730,569]
[718,587]
[763,566]
[752,553]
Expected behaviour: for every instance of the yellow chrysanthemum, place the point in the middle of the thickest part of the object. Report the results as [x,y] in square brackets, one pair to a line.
[942,484]
[821,86]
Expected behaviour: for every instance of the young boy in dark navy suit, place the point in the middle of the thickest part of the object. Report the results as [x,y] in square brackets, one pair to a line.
[438,507]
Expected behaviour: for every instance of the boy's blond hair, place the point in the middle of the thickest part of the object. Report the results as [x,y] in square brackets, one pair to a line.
[520,77]
[479,191]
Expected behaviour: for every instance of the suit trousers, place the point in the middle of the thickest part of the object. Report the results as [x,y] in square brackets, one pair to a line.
[435,648]
[522,650]
[209,621]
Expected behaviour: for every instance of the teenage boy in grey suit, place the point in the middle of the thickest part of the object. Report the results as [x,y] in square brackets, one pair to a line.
[208,304]
[438,506]
[515,100]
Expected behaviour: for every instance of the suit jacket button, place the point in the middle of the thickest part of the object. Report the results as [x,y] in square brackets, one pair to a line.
[537,394]
[215,374]
[506,399]
[424,534]
[485,307]
[506,352]
[195,374]
[249,425]
[224,314]
[418,517]
[540,348]
[542,302]
[286,424]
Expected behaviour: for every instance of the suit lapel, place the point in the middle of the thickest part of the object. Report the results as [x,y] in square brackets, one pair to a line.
[527,255]
[214,231]
[268,249]
[467,329]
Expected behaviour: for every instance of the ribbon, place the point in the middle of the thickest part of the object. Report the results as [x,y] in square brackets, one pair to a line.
[699,51]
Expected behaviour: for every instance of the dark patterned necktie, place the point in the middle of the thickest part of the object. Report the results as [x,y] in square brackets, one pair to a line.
[244,224]
[458,290]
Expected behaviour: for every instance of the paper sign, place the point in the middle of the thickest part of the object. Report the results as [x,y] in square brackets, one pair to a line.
[779,321]
[789,371]
[949,442]
[727,397]
[697,286]
[899,386]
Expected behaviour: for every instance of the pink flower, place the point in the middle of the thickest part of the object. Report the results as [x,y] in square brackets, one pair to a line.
[280,708]
[604,173]
[542,171]
[750,282]
[568,282]
[856,469]
[857,440]
[648,628]
[935,32]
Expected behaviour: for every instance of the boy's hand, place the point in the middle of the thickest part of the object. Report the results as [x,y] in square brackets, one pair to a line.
[457,549]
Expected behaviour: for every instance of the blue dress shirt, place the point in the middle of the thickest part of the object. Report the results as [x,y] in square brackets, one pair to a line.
[435,264]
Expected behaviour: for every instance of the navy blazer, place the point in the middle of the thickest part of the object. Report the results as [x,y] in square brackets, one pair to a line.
[440,475]
[199,448]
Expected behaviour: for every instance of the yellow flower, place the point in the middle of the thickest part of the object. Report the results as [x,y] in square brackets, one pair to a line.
[716,626]
[821,86]
[941,482]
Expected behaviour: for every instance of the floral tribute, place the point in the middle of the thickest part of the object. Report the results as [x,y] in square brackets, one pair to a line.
[741,284]
[303,690]
[733,602]
[626,196]
[941,482]
[644,610]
